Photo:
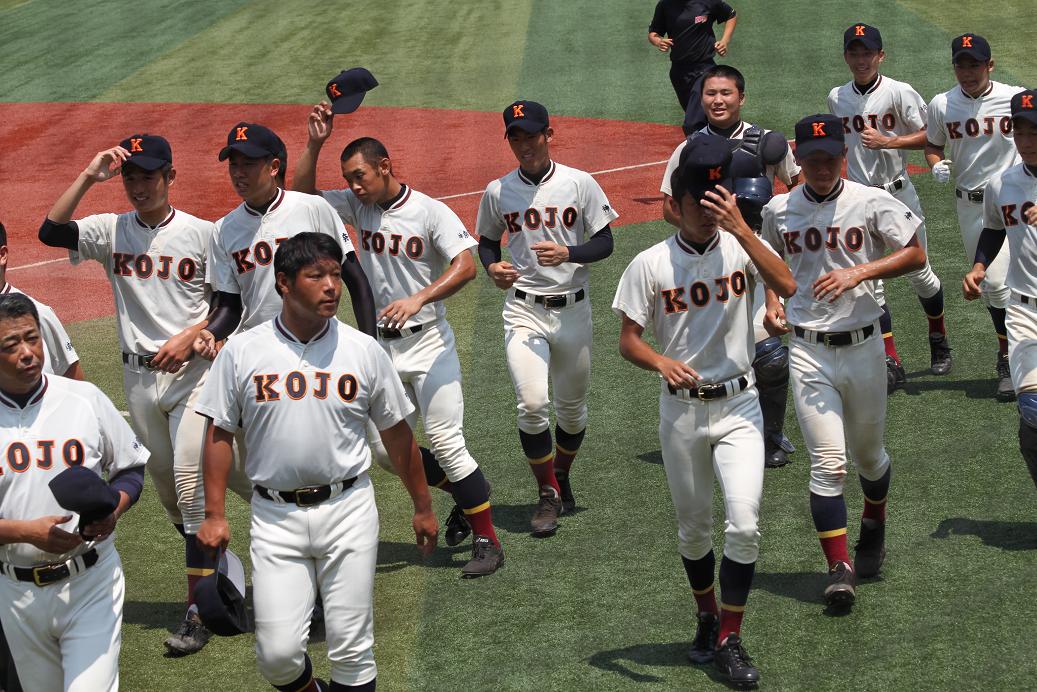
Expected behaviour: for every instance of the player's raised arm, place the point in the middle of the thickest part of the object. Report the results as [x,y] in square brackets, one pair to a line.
[319,125]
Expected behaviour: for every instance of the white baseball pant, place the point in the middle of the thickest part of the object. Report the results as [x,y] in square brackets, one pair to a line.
[1021,321]
[970,221]
[924,281]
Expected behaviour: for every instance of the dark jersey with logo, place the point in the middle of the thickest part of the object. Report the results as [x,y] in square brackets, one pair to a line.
[690,25]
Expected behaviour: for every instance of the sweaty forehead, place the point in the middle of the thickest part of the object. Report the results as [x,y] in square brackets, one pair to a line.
[11,327]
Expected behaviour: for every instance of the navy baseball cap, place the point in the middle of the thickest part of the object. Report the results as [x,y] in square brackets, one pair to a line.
[81,490]
[529,116]
[220,597]
[704,164]
[347,89]
[820,132]
[868,36]
[254,141]
[1024,105]
[149,152]
[972,45]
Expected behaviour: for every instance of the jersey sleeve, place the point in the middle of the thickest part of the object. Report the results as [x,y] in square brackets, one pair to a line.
[220,398]
[219,268]
[833,100]
[595,207]
[658,25]
[934,122]
[388,403]
[448,234]
[489,222]
[892,221]
[721,12]
[769,230]
[122,450]
[96,237]
[991,208]
[329,223]
[56,341]
[913,109]
[671,166]
[344,203]
[750,266]
[635,294]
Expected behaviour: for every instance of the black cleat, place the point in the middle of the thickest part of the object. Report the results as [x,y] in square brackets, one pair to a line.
[734,664]
[545,518]
[870,551]
[457,527]
[840,591]
[487,558]
[568,501]
[940,354]
[189,638]
[1005,389]
[704,646]
[896,376]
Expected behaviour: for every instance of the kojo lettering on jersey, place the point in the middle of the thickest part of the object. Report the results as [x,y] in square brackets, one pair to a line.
[813,239]
[858,122]
[1008,212]
[533,218]
[295,386]
[374,241]
[700,293]
[144,266]
[972,128]
[19,456]
[261,254]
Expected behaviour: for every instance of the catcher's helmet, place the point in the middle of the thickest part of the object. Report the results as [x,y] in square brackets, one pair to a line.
[752,194]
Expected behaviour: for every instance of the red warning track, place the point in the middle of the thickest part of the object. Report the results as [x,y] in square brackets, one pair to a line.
[444,153]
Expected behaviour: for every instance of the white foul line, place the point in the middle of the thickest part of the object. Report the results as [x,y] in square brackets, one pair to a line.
[463,194]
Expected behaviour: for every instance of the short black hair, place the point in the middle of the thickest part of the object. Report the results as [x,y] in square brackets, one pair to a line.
[14,305]
[3,235]
[727,72]
[372,150]
[303,250]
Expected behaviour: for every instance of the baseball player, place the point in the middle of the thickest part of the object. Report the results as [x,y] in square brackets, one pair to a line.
[548,210]
[1010,210]
[407,240]
[245,240]
[758,152]
[155,259]
[693,289]
[61,589]
[834,234]
[882,120]
[314,521]
[970,132]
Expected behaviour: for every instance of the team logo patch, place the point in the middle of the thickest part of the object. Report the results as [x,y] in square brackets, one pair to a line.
[241,134]
[462,234]
[605,208]
[908,215]
[517,110]
[701,19]
[966,42]
[1026,101]
[714,173]
[135,145]
[859,30]
[68,346]
[334,91]
[819,129]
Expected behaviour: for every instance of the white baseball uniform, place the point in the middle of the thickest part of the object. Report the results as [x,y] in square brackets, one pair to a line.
[699,308]
[783,171]
[566,207]
[976,134]
[158,278]
[404,249]
[243,246]
[65,635]
[894,109]
[839,391]
[58,353]
[273,386]
[1007,198]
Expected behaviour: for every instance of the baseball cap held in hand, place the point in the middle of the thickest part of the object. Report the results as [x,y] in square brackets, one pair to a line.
[347,89]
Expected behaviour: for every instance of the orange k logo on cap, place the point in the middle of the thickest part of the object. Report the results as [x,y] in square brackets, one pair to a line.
[966,42]
[516,110]
[1026,101]
[859,30]
[714,173]
[333,90]
[819,129]
[242,134]
[135,145]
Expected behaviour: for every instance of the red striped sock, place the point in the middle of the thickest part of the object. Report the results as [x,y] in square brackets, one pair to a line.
[730,620]
[834,544]
[481,519]
[544,471]
[891,347]
[936,324]
[1002,344]
[706,599]
[564,459]
[874,509]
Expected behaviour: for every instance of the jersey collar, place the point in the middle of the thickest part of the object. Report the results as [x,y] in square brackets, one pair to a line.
[401,198]
[547,176]
[686,246]
[870,90]
[8,288]
[816,199]
[735,134]
[34,396]
[287,334]
[1028,171]
[990,88]
[165,222]
[278,198]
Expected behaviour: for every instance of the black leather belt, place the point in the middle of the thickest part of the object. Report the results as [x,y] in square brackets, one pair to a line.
[304,497]
[387,333]
[137,360]
[552,302]
[42,575]
[1026,300]
[835,338]
[893,186]
[709,392]
[972,196]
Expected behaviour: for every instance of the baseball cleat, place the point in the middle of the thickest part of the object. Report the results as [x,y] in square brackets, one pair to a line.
[940,354]
[734,664]
[896,376]
[704,645]
[1005,389]
[870,551]
[775,457]
[568,501]
[457,526]
[487,558]
[840,590]
[190,637]
[545,518]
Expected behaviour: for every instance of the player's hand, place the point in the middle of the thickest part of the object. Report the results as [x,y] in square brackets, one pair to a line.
[214,534]
[723,207]
[873,139]
[44,533]
[664,45]
[320,122]
[677,373]
[774,320]
[503,274]
[550,254]
[100,529]
[106,164]
[970,285]
[175,353]
[942,171]
[396,313]
[721,48]
[206,345]
[1031,215]
[835,283]
[426,531]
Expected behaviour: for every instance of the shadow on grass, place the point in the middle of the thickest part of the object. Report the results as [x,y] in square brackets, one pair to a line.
[654,457]
[1006,535]
[153,615]
[673,655]
[801,586]
[393,557]
[973,389]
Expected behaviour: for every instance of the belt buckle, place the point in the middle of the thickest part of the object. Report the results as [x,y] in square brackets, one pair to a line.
[54,575]
[827,339]
[146,360]
[554,302]
[705,392]
[304,496]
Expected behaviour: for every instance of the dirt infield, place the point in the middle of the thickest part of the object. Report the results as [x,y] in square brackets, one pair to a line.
[444,153]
